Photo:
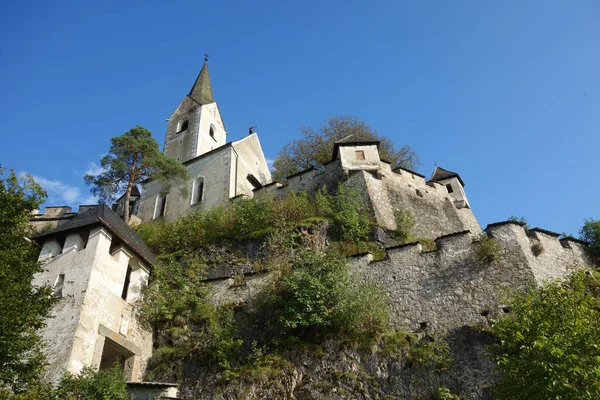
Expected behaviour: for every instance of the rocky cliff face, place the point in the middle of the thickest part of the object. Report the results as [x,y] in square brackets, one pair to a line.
[343,371]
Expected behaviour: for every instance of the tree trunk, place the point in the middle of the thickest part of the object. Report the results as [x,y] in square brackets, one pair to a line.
[130,184]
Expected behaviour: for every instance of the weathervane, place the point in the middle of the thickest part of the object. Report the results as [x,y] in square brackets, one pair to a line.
[205,57]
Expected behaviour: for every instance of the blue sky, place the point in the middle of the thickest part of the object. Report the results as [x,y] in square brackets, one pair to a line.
[506,93]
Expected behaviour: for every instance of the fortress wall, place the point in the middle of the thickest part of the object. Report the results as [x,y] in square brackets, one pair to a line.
[447,288]
[387,191]
[434,211]
[310,181]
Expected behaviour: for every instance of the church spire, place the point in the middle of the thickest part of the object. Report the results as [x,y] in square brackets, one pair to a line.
[202,90]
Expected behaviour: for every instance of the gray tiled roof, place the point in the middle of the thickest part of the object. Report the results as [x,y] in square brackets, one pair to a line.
[102,215]
[201,92]
[440,174]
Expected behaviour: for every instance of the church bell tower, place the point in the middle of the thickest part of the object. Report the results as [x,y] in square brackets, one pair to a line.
[196,126]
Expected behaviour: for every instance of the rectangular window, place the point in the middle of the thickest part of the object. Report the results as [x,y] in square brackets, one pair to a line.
[161,202]
[449,187]
[126,284]
[58,286]
[360,155]
[197,191]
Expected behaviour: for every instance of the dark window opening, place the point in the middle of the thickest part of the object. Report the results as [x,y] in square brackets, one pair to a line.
[360,155]
[449,187]
[85,237]
[485,313]
[183,126]
[253,181]
[126,284]
[61,243]
[113,354]
[114,245]
[211,132]
[58,286]
[505,310]
[161,202]
[422,325]
[197,191]
[419,193]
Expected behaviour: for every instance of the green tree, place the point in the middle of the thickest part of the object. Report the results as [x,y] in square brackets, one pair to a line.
[590,232]
[23,308]
[315,147]
[133,157]
[109,384]
[549,347]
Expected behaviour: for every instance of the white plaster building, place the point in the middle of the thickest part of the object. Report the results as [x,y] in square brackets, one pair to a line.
[218,170]
[97,265]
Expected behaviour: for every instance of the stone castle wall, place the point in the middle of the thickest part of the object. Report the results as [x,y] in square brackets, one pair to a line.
[386,191]
[447,288]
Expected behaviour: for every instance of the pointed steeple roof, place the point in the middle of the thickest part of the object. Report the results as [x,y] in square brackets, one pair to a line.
[201,92]
[440,174]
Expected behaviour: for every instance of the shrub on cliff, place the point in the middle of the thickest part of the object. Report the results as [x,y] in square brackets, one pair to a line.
[318,297]
[548,347]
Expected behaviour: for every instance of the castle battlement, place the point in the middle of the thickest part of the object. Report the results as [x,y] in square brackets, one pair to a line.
[449,287]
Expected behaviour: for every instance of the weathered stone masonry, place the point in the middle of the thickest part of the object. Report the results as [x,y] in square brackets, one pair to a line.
[448,288]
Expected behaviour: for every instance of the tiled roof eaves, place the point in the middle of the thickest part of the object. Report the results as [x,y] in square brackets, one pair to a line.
[550,233]
[410,171]
[300,173]
[572,239]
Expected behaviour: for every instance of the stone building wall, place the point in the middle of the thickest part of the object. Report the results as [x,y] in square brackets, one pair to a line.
[386,191]
[447,288]
[88,281]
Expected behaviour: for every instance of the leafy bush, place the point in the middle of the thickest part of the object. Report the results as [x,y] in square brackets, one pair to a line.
[443,393]
[487,250]
[405,222]
[548,347]
[319,297]
[109,384]
[350,219]
[431,352]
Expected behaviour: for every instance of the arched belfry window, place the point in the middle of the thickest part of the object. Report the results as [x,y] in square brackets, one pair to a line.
[159,207]
[211,132]
[197,190]
[182,126]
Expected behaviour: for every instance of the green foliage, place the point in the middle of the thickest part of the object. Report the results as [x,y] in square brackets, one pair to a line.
[590,232]
[405,222]
[431,352]
[350,220]
[314,149]
[260,216]
[318,296]
[487,250]
[548,347]
[133,157]
[23,308]
[443,393]
[109,384]
[520,220]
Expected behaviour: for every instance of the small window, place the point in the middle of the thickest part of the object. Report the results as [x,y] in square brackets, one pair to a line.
[183,126]
[419,193]
[197,191]
[161,202]
[449,188]
[58,286]
[126,284]
[211,132]
[360,155]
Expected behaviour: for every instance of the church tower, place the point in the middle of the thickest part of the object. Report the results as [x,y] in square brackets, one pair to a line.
[196,127]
